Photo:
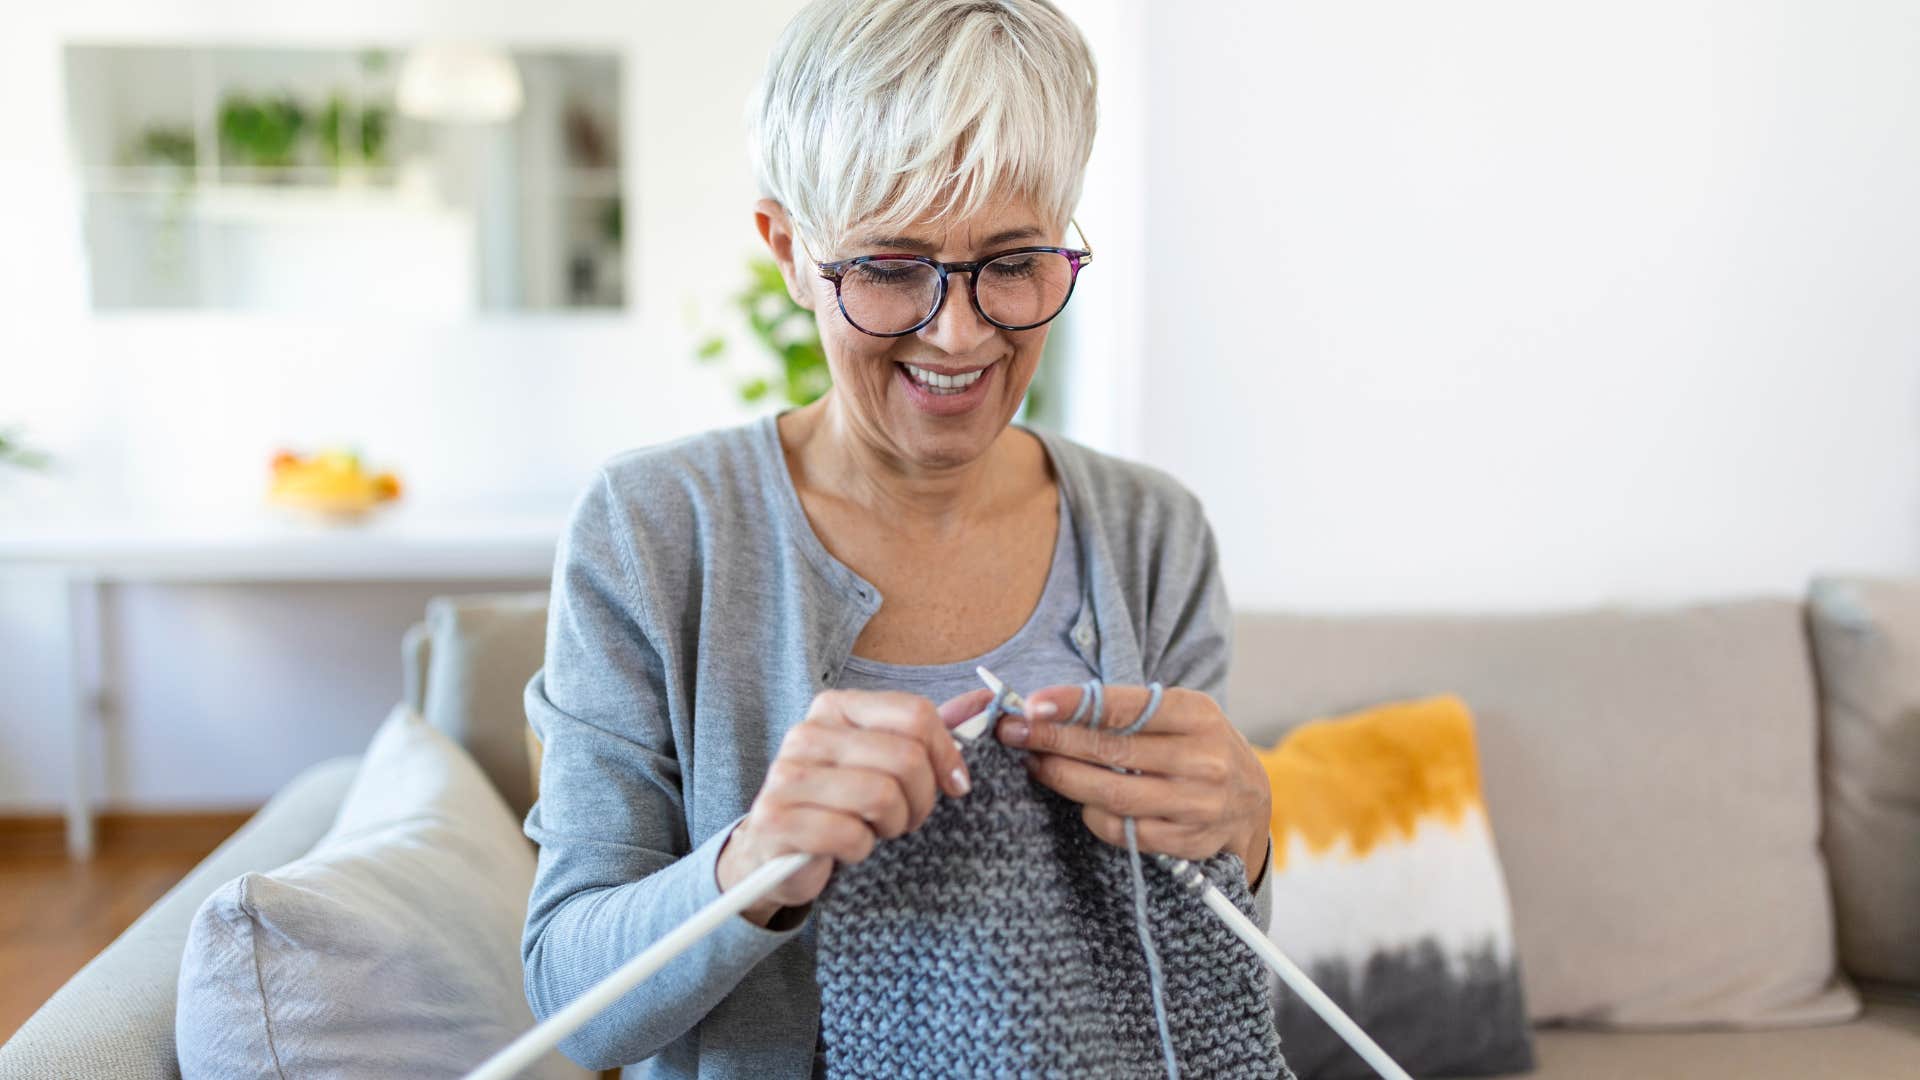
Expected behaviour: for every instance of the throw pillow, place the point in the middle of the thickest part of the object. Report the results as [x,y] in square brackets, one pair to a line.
[1388,893]
[1866,641]
[391,949]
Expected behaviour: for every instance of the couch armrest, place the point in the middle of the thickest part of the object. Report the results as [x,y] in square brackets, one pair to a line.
[114,1019]
[416,652]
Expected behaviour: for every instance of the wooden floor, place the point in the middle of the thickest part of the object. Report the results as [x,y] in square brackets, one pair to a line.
[55,914]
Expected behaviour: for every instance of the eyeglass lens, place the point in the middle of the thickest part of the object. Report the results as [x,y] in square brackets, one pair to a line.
[890,296]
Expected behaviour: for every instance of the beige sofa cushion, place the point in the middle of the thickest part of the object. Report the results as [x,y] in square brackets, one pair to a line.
[1650,775]
[1866,634]
[1883,1043]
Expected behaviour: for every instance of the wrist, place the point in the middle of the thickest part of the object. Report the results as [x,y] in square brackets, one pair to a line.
[729,869]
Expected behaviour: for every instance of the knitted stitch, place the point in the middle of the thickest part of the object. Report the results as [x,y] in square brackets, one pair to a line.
[999,939]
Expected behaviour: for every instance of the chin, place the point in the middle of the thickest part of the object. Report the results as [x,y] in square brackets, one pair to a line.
[944,444]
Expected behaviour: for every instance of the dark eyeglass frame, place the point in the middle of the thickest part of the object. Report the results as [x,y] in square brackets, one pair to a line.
[835,271]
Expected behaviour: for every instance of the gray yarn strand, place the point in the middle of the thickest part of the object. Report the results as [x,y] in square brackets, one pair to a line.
[1156,979]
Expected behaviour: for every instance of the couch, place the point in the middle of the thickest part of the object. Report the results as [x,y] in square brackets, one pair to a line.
[1539,683]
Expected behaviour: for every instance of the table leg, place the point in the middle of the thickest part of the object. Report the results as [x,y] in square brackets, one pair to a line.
[83,714]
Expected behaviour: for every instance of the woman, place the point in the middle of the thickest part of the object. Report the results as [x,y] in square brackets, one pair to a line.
[759,637]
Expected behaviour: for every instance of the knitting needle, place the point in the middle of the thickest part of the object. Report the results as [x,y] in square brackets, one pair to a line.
[549,1033]
[1004,701]
[1243,928]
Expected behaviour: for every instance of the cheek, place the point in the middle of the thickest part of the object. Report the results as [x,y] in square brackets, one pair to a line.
[1028,345]
[860,363]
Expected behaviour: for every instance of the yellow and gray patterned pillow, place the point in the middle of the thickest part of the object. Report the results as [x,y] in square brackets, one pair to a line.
[1388,892]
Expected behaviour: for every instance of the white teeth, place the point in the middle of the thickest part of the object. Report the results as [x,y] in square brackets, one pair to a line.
[952,384]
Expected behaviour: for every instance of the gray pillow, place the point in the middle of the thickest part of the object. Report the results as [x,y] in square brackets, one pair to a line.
[391,949]
[1866,636]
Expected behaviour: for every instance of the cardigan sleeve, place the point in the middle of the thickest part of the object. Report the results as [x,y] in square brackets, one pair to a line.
[616,867]
[1189,637]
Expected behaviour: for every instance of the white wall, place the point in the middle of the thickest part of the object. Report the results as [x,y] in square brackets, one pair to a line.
[1509,304]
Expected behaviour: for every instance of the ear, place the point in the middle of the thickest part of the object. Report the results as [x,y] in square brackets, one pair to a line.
[777,230]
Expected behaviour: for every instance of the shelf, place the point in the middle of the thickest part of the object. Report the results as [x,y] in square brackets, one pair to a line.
[401,543]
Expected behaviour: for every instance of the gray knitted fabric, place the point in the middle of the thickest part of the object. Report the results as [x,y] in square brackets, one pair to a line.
[998,940]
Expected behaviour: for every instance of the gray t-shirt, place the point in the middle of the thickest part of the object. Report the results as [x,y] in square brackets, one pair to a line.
[1040,653]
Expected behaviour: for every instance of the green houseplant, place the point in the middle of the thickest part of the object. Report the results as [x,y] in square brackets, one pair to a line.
[785,330]
[14,452]
[264,133]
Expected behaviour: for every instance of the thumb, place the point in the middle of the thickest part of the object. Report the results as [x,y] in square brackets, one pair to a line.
[955,712]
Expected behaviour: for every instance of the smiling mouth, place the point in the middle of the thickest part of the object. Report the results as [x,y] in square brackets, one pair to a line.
[935,383]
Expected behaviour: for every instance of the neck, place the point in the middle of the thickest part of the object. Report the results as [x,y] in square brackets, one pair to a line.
[832,455]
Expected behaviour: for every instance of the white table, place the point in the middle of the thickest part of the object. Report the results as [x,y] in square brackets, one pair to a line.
[401,543]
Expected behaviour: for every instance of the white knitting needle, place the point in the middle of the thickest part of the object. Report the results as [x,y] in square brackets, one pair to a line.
[1189,875]
[1243,928]
[549,1033]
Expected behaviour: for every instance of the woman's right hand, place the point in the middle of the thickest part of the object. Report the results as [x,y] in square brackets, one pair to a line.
[864,765]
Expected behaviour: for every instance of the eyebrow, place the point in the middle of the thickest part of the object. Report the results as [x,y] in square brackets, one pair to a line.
[908,243]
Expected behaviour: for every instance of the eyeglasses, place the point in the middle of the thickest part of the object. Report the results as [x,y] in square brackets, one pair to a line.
[896,295]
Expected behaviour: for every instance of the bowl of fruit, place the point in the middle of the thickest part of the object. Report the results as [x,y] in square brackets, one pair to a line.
[332,485]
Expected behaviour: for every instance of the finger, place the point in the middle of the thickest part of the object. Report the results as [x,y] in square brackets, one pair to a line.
[914,717]
[816,830]
[902,758]
[1165,755]
[957,711]
[877,798]
[1180,709]
[1154,835]
[1119,793]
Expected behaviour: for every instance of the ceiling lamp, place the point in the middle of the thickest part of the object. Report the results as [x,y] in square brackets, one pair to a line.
[448,81]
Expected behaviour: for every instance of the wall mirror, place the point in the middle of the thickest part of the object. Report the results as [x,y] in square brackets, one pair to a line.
[434,179]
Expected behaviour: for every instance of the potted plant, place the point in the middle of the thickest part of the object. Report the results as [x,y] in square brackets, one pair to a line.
[14,452]
[785,330]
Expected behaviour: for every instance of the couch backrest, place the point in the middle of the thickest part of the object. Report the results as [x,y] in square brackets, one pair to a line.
[1603,733]
[1650,775]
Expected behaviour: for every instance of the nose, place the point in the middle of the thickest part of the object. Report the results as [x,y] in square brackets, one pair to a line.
[957,328]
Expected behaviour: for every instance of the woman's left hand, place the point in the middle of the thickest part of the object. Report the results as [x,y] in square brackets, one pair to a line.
[1195,787]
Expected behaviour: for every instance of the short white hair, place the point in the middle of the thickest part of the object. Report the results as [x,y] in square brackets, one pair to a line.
[885,112]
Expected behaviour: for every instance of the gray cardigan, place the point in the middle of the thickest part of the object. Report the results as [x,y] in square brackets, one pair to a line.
[694,615]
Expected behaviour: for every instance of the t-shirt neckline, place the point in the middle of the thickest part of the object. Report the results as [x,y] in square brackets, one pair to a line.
[1058,572]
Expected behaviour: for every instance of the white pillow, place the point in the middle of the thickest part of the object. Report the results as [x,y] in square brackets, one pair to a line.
[391,949]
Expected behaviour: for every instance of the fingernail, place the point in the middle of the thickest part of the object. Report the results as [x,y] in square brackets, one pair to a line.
[960,781]
[1016,732]
[1045,709]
